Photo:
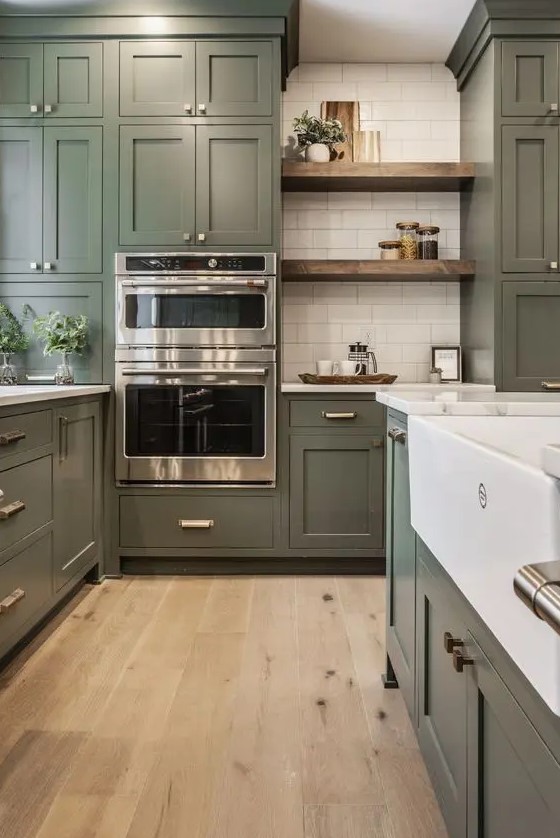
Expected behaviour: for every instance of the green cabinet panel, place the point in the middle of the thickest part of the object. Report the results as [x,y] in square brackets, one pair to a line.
[30,486]
[157,185]
[21,191]
[157,78]
[442,698]
[336,491]
[69,298]
[531,197]
[531,352]
[530,78]
[21,80]
[73,80]
[72,220]
[24,432]
[234,185]
[77,488]
[513,778]
[322,412]
[233,78]
[401,566]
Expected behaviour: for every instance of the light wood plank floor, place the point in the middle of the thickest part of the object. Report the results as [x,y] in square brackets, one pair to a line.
[211,708]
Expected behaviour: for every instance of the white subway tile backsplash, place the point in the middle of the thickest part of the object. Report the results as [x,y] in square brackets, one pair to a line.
[364,219]
[364,72]
[320,332]
[410,333]
[294,352]
[305,200]
[409,72]
[300,238]
[300,293]
[334,238]
[409,130]
[422,293]
[334,293]
[305,253]
[442,73]
[320,72]
[290,219]
[416,353]
[319,220]
[449,333]
[380,293]
[393,314]
[296,91]
[350,200]
[389,353]
[305,313]
[438,200]
[349,314]
[438,313]
[344,92]
[289,333]
[351,253]
[380,91]
[429,91]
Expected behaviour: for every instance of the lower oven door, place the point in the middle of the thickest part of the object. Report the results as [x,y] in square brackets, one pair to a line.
[203,423]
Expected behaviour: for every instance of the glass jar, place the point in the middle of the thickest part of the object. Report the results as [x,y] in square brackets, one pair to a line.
[64,373]
[428,247]
[390,249]
[408,239]
[8,375]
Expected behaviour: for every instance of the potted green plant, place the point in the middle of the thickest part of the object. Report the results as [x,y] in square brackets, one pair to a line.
[318,136]
[12,339]
[65,334]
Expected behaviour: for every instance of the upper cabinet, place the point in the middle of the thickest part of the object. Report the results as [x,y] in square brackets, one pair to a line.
[181,78]
[54,80]
[530,78]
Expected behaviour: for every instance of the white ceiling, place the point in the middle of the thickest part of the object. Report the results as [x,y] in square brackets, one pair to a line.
[378,30]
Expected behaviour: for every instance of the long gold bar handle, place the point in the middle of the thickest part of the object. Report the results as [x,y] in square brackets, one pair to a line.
[550,385]
[12,509]
[11,600]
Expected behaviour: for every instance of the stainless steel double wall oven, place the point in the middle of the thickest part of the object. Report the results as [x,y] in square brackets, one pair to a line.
[196,368]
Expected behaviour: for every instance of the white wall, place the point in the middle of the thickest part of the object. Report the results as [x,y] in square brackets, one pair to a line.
[416,108]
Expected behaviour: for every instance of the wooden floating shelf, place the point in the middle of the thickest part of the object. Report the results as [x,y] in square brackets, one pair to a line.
[339,176]
[377,270]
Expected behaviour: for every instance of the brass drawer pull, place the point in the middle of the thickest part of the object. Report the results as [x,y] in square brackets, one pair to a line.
[550,385]
[460,660]
[11,436]
[196,525]
[11,600]
[450,642]
[12,509]
[326,415]
[397,435]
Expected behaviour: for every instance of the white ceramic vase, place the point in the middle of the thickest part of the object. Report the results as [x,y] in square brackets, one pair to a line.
[317,153]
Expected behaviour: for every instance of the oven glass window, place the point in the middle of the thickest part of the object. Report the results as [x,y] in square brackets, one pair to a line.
[195,311]
[195,420]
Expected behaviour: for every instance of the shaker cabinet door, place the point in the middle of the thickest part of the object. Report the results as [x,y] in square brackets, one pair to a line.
[157,78]
[530,199]
[73,80]
[72,219]
[21,190]
[233,78]
[157,185]
[530,78]
[21,80]
[234,185]
[531,335]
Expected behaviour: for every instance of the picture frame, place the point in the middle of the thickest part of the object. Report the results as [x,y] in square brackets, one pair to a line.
[449,359]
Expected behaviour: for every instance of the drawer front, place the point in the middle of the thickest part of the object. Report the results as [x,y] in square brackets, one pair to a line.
[25,586]
[332,413]
[25,432]
[26,504]
[186,523]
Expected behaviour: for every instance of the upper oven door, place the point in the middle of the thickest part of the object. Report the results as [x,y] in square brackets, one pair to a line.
[199,311]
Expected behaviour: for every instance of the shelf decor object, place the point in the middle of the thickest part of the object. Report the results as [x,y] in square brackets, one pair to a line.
[378,378]
[318,136]
[347,176]
[376,270]
[65,334]
[348,115]
[366,147]
[449,360]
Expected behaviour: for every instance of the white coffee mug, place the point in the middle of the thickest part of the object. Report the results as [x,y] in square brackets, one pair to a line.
[324,367]
[345,367]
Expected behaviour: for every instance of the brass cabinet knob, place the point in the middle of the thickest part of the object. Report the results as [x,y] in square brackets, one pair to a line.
[450,642]
[460,660]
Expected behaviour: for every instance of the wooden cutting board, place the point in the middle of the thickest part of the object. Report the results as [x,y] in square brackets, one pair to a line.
[349,114]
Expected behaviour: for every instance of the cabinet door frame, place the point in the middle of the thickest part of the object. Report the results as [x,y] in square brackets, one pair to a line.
[263,235]
[549,52]
[93,52]
[128,134]
[34,54]
[35,137]
[550,135]
[299,444]
[92,262]
[205,50]
[127,105]
[510,291]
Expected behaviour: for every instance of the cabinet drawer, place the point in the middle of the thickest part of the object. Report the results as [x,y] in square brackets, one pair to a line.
[25,585]
[25,432]
[196,522]
[330,413]
[31,485]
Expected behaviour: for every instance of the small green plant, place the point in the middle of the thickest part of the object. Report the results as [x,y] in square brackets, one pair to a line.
[313,129]
[12,337]
[62,333]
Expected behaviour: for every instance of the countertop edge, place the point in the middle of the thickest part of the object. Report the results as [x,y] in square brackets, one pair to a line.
[32,394]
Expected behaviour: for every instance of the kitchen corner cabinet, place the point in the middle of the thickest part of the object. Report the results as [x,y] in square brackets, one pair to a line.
[77,488]
[530,78]
[51,80]
[531,312]
[401,564]
[51,200]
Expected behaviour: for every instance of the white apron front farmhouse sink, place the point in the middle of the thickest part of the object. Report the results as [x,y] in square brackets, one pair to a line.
[482,503]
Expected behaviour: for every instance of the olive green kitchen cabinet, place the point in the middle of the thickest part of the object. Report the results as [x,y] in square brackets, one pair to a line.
[51,80]
[530,78]
[77,488]
[51,200]
[531,312]
[229,205]
[203,78]
[401,565]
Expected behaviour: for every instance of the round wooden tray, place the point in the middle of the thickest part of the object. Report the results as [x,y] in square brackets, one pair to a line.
[378,378]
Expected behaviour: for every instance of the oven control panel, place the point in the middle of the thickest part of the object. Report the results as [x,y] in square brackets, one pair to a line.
[187,263]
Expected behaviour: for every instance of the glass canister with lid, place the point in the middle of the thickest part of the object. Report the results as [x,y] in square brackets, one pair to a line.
[390,249]
[428,247]
[408,239]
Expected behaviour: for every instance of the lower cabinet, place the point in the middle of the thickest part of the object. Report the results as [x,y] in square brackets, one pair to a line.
[77,488]
[531,353]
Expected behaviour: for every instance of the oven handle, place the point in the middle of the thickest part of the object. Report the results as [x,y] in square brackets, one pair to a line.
[194,371]
[196,283]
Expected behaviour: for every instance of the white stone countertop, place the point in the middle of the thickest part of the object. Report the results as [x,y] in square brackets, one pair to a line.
[469,403]
[27,393]
[432,389]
